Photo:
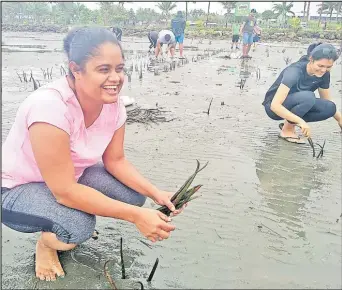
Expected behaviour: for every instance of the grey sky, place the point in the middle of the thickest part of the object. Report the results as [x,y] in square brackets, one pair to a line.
[214,6]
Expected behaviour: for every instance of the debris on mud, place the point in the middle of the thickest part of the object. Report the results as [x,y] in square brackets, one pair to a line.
[225,57]
[273,231]
[147,116]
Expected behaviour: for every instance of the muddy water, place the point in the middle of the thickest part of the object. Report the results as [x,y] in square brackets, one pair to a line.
[269,215]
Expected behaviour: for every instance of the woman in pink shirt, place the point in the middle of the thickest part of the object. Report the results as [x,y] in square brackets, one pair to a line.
[53,180]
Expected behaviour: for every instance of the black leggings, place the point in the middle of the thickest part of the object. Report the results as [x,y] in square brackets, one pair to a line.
[305,105]
[153,41]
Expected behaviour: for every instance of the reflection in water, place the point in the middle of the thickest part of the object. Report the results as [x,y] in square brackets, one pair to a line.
[245,70]
[287,176]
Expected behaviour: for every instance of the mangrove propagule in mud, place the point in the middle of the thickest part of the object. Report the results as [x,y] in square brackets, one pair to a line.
[320,154]
[123,271]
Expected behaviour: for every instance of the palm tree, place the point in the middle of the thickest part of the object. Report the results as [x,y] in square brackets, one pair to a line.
[338,9]
[304,10]
[320,11]
[166,8]
[186,9]
[206,23]
[283,10]
[328,8]
[308,11]
[228,6]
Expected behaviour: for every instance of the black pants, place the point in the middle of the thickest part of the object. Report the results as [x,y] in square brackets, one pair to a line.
[153,40]
[305,105]
[118,33]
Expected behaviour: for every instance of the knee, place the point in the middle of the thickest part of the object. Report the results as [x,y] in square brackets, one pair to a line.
[140,200]
[331,108]
[78,230]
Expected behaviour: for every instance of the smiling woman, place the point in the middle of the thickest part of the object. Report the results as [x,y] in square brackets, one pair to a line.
[291,96]
[53,180]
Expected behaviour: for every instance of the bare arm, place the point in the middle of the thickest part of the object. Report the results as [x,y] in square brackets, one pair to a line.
[53,157]
[241,28]
[116,164]
[278,108]
[325,94]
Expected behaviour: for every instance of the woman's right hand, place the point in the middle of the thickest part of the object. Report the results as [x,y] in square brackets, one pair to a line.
[153,224]
[305,128]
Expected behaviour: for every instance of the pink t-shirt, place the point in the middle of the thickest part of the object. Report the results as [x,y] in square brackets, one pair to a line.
[56,104]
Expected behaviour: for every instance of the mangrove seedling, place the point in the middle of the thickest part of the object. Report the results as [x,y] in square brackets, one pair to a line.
[287,60]
[208,112]
[320,154]
[35,85]
[258,73]
[149,279]
[123,272]
[19,77]
[312,146]
[62,70]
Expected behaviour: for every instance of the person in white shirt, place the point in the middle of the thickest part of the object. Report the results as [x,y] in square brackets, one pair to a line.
[166,37]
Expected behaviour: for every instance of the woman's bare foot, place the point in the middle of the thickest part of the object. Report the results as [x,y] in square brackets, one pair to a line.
[47,263]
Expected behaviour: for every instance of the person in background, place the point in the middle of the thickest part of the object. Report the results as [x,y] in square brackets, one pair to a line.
[178,27]
[257,35]
[246,30]
[236,35]
[153,37]
[118,32]
[64,163]
[291,96]
[166,37]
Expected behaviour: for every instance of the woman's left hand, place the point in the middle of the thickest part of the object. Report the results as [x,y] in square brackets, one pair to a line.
[164,198]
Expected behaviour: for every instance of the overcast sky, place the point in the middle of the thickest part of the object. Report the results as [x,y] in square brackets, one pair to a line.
[214,6]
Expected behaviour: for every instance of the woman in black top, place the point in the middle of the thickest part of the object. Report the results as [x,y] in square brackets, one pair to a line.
[292,97]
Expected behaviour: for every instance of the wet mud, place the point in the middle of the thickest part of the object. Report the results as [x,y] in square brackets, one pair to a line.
[269,213]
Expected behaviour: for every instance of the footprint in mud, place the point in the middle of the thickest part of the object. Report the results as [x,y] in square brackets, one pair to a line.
[87,257]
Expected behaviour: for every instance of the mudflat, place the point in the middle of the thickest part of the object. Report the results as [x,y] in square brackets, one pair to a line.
[269,214]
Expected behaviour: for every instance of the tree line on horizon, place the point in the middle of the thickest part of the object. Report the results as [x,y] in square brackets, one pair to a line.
[120,13]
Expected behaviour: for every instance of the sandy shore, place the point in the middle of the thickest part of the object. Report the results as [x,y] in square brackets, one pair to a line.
[268,212]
